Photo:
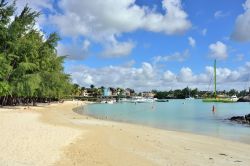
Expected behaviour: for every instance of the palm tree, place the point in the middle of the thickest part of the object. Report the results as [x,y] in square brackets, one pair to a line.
[92,86]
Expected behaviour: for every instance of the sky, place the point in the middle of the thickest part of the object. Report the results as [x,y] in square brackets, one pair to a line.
[150,44]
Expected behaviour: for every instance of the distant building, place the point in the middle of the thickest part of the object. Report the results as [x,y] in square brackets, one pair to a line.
[113,91]
[129,92]
[107,92]
[147,94]
[87,93]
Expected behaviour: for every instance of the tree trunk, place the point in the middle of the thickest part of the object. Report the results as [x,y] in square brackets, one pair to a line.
[34,102]
[3,100]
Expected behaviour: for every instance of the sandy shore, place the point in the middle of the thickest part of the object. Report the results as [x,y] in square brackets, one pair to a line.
[55,135]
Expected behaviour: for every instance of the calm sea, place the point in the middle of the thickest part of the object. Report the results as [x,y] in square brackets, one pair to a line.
[192,116]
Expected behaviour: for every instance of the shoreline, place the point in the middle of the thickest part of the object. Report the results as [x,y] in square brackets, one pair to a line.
[244,141]
[104,142]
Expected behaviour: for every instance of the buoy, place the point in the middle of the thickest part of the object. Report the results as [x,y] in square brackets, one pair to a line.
[213,109]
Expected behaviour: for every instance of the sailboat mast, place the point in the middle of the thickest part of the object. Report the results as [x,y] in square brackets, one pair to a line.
[215,78]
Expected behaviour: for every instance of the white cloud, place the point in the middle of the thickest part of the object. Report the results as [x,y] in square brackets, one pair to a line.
[106,18]
[169,76]
[204,32]
[147,77]
[35,5]
[129,63]
[122,76]
[101,20]
[218,50]
[86,44]
[220,14]
[177,56]
[77,50]
[186,75]
[117,49]
[242,25]
[191,41]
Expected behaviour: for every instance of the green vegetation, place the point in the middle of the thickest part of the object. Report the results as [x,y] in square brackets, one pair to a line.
[30,69]
[177,94]
[186,92]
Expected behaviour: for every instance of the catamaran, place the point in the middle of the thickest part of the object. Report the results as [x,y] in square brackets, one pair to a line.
[217,98]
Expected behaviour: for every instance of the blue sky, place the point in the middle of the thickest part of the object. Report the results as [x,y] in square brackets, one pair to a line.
[150,44]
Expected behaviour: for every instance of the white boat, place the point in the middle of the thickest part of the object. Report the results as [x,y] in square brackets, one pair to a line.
[189,98]
[110,102]
[234,98]
[146,100]
[124,100]
[162,100]
[139,99]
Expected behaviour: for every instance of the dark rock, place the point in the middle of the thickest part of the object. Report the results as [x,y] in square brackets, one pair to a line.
[241,119]
[244,99]
[247,117]
[241,100]
[237,118]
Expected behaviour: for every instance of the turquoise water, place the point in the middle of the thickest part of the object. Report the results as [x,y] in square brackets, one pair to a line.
[192,116]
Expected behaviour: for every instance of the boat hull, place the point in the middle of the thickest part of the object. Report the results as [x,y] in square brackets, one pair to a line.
[161,100]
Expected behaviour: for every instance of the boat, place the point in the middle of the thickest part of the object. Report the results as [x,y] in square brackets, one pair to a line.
[234,98]
[216,97]
[189,98]
[123,100]
[161,100]
[108,101]
[139,99]
[144,100]
[221,100]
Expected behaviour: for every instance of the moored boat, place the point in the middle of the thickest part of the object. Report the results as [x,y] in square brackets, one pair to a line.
[222,100]
[139,99]
[161,100]
[189,98]
[218,98]
[234,98]
[108,101]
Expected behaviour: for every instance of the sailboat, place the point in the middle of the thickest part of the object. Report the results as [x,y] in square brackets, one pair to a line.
[216,98]
[189,97]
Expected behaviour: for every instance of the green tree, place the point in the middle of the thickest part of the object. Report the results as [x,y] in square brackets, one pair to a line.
[92,86]
[30,68]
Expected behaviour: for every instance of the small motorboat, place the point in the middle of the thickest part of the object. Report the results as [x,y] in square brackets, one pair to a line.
[162,100]
[234,98]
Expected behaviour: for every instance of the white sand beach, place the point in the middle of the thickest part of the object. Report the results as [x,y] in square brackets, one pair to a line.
[55,135]
[25,140]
